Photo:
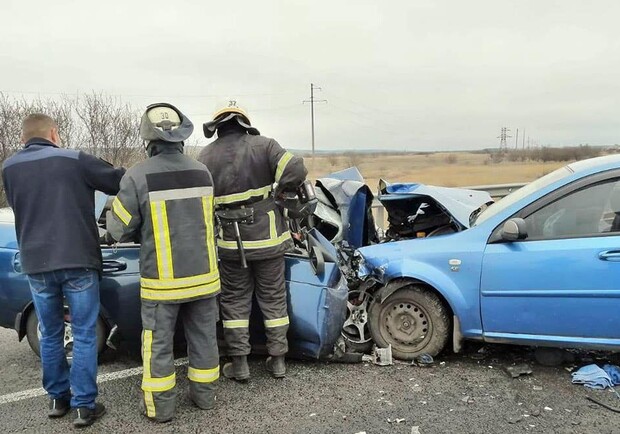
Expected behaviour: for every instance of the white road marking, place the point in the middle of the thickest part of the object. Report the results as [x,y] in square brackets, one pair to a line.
[125,373]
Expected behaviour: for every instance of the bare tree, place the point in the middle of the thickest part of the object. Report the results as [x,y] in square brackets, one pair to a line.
[95,123]
[108,129]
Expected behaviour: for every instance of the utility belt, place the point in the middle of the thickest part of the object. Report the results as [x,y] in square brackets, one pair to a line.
[234,215]
[259,205]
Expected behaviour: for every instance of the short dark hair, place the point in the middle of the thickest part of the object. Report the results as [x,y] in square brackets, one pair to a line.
[37,125]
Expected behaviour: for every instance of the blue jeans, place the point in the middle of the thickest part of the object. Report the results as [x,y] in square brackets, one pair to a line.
[80,287]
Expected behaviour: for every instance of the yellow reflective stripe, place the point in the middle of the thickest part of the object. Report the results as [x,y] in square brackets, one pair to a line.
[207,209]
[244,195]
[282,164]
[278,322]
[159,384]
[164,213]
[203,375]
[273,233]
[180,282]
[121,211]
[180,294]
[147,343]
[235,323]
[259,244]
[161,234]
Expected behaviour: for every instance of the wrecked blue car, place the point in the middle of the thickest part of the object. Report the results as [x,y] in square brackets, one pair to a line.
[539,267]
[317,295]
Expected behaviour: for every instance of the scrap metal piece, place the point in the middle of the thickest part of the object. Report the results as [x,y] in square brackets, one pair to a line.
[380,356]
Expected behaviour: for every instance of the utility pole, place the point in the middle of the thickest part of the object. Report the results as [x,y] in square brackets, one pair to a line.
[503,145]
[312,101]
[523,138]
[517,140]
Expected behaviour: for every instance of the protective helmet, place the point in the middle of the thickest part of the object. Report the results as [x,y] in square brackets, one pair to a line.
[224,112]
[162,121]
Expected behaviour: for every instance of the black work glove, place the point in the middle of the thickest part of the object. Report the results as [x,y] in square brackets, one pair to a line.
[106,239]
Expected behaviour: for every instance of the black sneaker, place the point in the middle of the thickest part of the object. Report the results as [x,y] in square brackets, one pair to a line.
[58,407]
[85,416]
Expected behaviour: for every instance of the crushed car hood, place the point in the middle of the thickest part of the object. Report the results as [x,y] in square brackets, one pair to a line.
[459,203]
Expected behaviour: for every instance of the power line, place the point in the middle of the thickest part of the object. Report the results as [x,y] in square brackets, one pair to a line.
[127,95]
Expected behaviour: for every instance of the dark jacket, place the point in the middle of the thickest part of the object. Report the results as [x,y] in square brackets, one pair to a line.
[52,193]
[168,201]
[245,168]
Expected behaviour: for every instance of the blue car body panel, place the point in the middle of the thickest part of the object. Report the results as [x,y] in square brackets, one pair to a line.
[553,292]
[352,198]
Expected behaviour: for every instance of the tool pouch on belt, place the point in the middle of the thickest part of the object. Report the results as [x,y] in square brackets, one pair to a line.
[235,217]
[263,236]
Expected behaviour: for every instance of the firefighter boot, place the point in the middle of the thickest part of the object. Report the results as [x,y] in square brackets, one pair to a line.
[238,369]
[276,365]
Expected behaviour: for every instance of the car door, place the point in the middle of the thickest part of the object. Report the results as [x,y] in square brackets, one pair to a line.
[120,289]
[562,283]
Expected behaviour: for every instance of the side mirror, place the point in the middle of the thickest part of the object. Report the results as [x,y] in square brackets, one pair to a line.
[514,229]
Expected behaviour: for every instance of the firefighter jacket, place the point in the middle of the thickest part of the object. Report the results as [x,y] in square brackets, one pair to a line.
[167,201]
[245,168]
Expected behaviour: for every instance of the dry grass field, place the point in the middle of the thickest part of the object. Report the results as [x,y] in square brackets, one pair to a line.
[443,169]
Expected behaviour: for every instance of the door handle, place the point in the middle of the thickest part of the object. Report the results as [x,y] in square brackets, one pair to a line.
[17,264]
[110,266]
[610,255]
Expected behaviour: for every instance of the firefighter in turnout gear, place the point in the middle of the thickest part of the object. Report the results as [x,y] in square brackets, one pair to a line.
[245,166]
[167,201]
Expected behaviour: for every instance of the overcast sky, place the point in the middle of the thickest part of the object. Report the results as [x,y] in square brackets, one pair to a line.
[397,74]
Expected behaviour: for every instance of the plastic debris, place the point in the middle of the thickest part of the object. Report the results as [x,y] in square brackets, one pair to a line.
[423,360]
[396,421]
[415,430]
[518,370]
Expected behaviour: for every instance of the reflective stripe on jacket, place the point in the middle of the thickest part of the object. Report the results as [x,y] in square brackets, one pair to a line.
[168,200]
[245,168]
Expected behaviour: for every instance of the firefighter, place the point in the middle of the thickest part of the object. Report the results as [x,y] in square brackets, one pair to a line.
[245,166]
[167,201]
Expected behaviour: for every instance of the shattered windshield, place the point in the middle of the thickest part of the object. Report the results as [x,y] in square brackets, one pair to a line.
[512,198]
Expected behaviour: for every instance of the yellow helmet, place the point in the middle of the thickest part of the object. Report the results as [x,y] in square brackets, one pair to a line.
[225,111]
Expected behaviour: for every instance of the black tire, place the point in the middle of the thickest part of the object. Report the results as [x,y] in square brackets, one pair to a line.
[422,319]
[32,325]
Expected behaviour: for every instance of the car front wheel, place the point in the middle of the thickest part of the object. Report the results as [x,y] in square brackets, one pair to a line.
[33,334]
[413,320]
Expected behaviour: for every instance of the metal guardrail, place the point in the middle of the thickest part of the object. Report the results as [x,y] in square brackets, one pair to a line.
[497,191]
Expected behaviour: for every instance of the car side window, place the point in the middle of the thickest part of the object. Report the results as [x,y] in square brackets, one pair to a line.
[592,210]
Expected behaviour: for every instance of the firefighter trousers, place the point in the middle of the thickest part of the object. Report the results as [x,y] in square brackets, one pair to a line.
[159,378]
[265,278]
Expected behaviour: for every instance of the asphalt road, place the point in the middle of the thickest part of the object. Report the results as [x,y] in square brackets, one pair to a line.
[467,393]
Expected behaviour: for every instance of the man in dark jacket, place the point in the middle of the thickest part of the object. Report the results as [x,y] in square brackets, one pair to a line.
[52,193]
[168,201]
[245,166]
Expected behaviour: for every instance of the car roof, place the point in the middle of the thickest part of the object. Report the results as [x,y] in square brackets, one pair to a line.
[597,164]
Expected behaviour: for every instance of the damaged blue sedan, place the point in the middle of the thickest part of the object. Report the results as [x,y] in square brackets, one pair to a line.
[317,295]
[539,267]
